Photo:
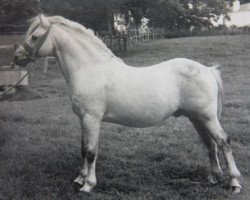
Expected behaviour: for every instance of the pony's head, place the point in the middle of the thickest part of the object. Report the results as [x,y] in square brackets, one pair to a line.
[37,42]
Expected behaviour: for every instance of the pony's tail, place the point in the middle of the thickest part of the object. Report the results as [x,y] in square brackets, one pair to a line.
[217,75]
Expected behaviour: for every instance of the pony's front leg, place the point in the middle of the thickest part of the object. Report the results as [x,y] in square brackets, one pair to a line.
[84,171]
[91,126]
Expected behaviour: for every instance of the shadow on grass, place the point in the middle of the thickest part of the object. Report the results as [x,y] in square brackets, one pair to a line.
[23,93]
[159,179]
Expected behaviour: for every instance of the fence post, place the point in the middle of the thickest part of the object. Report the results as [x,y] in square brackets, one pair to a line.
[45,65]
[125,40]
[119,43]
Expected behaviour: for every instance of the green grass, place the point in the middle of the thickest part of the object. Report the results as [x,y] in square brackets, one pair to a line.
[40,135]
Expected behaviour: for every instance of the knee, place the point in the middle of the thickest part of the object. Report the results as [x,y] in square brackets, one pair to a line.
[224,143]
[213,147]
[83,150]
[228,140]
[90,153]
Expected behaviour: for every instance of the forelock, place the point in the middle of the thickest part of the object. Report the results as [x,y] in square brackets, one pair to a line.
[57,20]
[34,22]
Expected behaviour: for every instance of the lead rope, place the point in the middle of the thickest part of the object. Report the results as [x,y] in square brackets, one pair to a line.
[5,93]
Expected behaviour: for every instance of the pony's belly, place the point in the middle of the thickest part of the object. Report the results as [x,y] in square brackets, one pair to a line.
[138,119]
[143,107]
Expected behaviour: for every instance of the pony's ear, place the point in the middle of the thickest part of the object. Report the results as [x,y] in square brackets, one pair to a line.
[31,20]
[44,20]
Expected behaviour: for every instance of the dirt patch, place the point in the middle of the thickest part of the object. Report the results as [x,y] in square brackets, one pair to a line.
[23,93]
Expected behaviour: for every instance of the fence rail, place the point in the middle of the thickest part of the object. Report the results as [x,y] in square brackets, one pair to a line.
[122,42]
[210,32]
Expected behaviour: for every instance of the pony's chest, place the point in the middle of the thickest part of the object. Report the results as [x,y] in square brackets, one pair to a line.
[87,100]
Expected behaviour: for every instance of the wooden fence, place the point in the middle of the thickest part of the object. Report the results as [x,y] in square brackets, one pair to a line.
[209,32]
[123,41]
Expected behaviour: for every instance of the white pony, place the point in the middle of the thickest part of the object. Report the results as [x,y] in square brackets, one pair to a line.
[103,88]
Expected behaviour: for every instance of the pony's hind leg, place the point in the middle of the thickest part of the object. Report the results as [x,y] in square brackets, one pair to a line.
[222,139]
[212,150]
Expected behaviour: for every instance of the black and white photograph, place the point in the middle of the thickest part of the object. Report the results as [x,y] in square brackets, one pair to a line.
[124,99]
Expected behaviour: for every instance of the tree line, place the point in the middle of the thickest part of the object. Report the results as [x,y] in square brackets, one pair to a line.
[99,14]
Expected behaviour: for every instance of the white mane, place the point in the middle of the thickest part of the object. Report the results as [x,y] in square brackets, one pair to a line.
[78,27]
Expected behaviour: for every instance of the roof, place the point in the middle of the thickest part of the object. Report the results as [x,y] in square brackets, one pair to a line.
[245,7]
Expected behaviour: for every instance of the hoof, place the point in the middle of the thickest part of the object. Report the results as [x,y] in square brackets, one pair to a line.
[212,179]
[79,180]
[235,186]
[235,189]
[86,188]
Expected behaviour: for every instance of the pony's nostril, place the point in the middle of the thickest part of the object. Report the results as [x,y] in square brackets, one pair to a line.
[16,59]
[21,59]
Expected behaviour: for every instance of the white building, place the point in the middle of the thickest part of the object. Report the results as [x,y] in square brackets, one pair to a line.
[239,16]
[120,22]
[121,25]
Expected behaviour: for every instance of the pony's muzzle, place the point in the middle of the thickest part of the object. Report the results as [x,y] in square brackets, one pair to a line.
[22,60]
[21,57]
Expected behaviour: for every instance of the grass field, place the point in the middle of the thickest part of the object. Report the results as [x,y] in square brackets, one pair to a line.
[40,135]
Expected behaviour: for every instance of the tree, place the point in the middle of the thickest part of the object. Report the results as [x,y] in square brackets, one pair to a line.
[136,9]
[185,14]
[244,1]
[99,14]
[17,11]
[167,14]
[96,14]
[204,10]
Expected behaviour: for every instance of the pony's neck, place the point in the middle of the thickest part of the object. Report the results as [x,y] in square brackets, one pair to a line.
[74,51]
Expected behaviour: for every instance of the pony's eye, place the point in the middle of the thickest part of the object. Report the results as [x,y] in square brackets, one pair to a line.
[34,38]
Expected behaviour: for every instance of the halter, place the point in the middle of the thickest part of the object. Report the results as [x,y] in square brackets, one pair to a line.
[39,43]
